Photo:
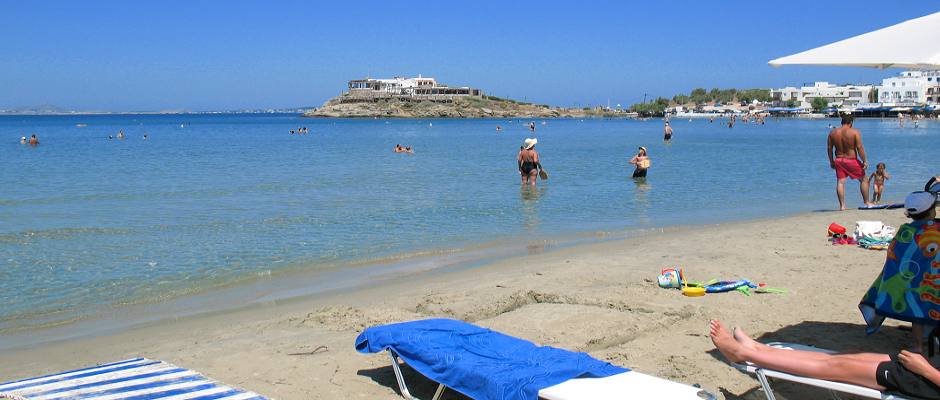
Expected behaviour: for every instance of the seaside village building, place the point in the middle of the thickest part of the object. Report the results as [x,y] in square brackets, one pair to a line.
[910,88]
[405,89]
[836,96]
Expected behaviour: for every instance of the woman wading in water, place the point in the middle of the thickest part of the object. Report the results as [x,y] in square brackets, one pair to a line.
[528,160]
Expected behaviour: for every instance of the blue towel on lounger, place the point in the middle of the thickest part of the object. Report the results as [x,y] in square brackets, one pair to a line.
[478,362]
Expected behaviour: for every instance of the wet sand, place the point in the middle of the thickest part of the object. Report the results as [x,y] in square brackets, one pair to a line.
[599,298]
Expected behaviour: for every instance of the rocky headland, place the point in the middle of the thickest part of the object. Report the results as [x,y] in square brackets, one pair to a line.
[460,107]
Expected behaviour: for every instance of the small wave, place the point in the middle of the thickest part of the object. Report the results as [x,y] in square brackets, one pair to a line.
[24,237]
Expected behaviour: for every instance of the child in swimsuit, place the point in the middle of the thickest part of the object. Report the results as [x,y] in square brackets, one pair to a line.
[878,179]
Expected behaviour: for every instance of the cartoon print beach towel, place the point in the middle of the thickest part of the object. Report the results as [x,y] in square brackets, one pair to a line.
[908,287]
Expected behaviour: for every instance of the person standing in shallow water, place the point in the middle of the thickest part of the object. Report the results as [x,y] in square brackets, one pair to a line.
[847,157]
[642,162]
[528,161]
[667,132]
[33,140]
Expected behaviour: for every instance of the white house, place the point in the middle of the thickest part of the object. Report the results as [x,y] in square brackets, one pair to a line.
[783,95]
[835,95]
[910,87]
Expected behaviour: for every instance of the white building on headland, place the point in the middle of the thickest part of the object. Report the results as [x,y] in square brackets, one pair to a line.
[910,88]
[835,95]
[400,87]
[396,85]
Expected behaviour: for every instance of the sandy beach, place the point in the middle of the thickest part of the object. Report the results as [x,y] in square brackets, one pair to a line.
[599,298]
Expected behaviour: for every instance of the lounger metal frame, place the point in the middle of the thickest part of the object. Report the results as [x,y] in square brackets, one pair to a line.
[396,366]
[763,375]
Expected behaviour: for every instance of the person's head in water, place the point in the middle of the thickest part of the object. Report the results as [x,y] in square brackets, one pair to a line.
[921,205]
[642,151]
[847,119]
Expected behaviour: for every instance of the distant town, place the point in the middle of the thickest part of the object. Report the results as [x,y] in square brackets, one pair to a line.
[908,92]
[913,91]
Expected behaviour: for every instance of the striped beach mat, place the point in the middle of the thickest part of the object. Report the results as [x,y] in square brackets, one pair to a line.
[135,379]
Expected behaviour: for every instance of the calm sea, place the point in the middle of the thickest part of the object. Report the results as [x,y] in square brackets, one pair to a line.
[89,225]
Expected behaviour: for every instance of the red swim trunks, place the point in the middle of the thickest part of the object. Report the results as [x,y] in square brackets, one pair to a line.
[849,167]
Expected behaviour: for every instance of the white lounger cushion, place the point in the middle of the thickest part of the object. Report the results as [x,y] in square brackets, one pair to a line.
[628,385]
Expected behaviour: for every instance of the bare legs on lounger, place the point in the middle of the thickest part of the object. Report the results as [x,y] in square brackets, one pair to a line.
[859,369]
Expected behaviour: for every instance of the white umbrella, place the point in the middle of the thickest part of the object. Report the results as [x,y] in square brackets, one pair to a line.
[910,44]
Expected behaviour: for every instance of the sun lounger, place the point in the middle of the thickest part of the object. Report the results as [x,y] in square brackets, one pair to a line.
[488,365]
[137,379]
[763,375]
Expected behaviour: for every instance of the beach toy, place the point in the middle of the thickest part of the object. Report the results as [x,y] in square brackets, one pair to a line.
[670,278]
[691,291]
[836,229]
[727,286]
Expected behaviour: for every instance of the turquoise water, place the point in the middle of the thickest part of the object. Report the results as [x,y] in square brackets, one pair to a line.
[89,224]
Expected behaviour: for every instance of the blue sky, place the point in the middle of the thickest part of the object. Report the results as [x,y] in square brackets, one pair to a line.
[204,55]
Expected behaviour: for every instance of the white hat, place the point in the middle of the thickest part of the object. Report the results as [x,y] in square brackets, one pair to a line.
[530,143]
[919,202]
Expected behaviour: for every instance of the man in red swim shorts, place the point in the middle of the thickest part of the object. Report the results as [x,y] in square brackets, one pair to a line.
[845,143]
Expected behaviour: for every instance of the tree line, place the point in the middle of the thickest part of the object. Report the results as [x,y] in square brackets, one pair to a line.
[701,96]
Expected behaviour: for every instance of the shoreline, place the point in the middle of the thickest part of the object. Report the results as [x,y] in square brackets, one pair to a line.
[308,282]
[600,298]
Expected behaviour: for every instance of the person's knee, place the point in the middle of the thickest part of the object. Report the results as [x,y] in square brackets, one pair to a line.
[833,365]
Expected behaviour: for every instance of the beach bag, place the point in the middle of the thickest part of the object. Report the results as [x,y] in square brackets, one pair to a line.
[874,230]
[836,229]
[644,163]
[670,278]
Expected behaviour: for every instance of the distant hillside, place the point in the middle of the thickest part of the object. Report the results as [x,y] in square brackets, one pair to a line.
[40,109]
[461,107]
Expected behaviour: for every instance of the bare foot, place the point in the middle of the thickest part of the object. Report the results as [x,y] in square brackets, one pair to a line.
[742,337]
[730,348]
